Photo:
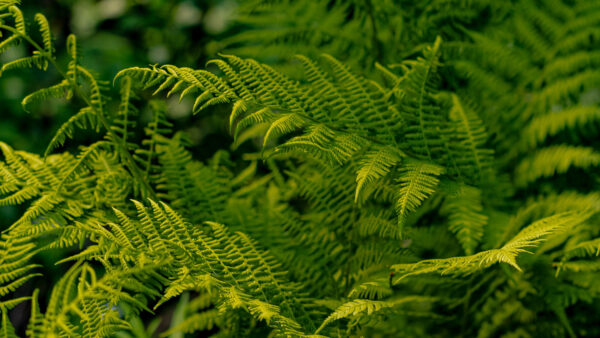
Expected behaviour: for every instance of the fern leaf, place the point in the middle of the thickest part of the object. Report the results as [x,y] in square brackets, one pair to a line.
[553,160]
[469,155]
[418,181]
[4,4]
[543,127]
[45,32]
[9,42]
[466,217]
[61,90]
[82,159]
[377,289]
[19,20]
[96,98]
[86,118]
[529,237]
[425,125]
[37,60]
[363,308]
[203,321]
[584,249]
[6,330]
[239,109]
[35,319]
[374,165]
[283,125]
[73,52]
[123,122]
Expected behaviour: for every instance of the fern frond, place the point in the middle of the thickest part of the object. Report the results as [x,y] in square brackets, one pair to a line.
[341,112]
[15,269]
[579,266]
[529,237]
[553,160]
[154,131]
[123,121]
[283,125]
[59,91]
[472,160]
[540,207]
[233,263]
[377,289]
[584,249]
[362,308]
[202,321]
[83,160]
[73,53]
[6,329]
[572,119]
[381,224]
[561,90]
[4,4]
[418,181]
[96,97]
[86,118]
[84,304]
[466,217]
[362,172]
[37,60]
[181,178]
[373,166]
[564,66]
[425,128]
[45,32]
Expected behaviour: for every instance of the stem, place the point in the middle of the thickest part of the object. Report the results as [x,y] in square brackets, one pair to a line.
[130,163]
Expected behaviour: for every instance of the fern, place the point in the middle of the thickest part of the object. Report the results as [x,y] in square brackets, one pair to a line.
[466,217]
[555,160]
[418,183]
[462,266]
[376,165]
[433,175]
[357,308]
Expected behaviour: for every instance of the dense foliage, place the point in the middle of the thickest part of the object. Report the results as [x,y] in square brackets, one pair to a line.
[395,168]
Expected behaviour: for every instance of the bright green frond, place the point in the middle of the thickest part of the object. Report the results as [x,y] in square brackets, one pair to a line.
[554,160]
[418,181]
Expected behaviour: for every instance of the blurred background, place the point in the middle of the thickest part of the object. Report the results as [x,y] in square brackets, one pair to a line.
[112,35]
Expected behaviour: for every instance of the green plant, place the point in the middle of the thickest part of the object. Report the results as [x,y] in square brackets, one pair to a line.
[394,202]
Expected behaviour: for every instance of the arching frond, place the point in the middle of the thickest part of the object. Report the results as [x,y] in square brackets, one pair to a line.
[543,127]
[529,237]
[86,118]
[59,91]
[553,160]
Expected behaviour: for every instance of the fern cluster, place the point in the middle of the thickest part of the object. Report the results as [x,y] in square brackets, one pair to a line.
[435,176]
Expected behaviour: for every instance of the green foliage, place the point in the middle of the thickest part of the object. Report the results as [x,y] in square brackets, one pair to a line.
[400,183]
